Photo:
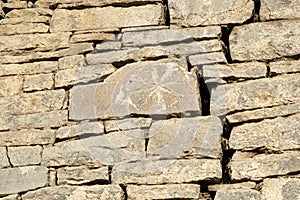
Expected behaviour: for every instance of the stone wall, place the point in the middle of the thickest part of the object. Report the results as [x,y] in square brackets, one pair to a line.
[149,99]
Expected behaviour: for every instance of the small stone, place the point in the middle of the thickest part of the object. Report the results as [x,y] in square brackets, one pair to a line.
[10,85]
[91,37]
[281,188]
[265,40]
[27,137]
[74,61]
[113,192]
[38,82]
[127,124]
[249,185]
[20,156]
[18,20]
[81,175]
[11,197]
[209,58]
[170,191]
[237,194]
[22,28]
[15,180]
[29,13]
[3,158]
[105,46]
[256,167]
[284,67]
[198,12]
[52,177]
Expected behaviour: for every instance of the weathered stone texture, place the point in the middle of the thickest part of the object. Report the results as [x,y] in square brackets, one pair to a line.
[11,197]
[283,67]
[281,189]
[80,192]
[38,82]
[11,29]
[91,37]
[110,45]
[127,124]
[197,12]
[247,166]
[81,175]
[10,85]
[97,18]
[74,61]
[243,185]
[3,158]
[170,191]
[22,179]
[281,133]
[27,137]
[237,194]
[267,92]
[266,40]
[29,13]
[209,58]
[21,156]
[198,33]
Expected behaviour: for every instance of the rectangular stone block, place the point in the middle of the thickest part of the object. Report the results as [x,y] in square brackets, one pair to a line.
[73,20]
[15,180]
[10,85]
[74,61]
[81,175]
[11,197]
[281,133]
[113,192]
[169,191]
[33,19]
[266,40]
[267,92]
[20,156]
[23,28]
[198,12]
[3,158]
[29,13]
[283,67]
[256,167]
[237,194]
[127,124]
[38,82]
[200,33]
[87,37]
[32,103]
[166,171]
[27,137]
[208,58]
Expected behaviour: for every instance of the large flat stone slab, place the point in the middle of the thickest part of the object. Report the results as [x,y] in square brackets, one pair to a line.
[266,40]
[22,156]
[197,12]
[237,194]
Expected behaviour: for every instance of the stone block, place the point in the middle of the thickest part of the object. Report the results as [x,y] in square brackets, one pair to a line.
[127,124]
[23,28]
[74,61]
[237,194]
[21,156]
[284,67]
[10,85]
[87,37]
[209,58]
[3,158]
[38,82]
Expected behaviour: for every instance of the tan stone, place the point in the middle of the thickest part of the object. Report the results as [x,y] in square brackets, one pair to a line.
[250,185]
[27,137]
[15,180]
[74,61]
[15,4]
[21,156]
[266,40]
[170,191]
[81,175]
[283,67]
[11,197]
[91,37]
[93,18]
[198,12]
[209,58]
[29,13]
[208,32]
[23,28]
[38,82]
[10,85]
[237,194]
[3,158]
[18,20]
[127,124]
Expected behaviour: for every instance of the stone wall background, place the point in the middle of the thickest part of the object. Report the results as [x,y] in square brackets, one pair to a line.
[214,90]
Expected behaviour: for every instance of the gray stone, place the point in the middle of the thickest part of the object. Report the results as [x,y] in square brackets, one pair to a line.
[109,45]
[37,120]
[75,61]
[282,133]
[81,175]
[197,137]
[3,158]
[72,20]
[38,82]
[257,167]
[266,40]
[86,37]
[170,191]
[274,9]
[169,89]
[267,92]
[91,73]
[127,124]
[209,58]
[239,70]
[198,33]
[80,130]
[283,67]
[21,156]
[197,12]
[15,180]
[243,185]
[27,137]
[10,85]
[258,114]
[167,171]
[76,192]
[28,68]
[237,194]
[32,103]
[281,188]
[22,28]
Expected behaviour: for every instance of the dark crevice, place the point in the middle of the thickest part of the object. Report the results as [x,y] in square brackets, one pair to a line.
[58,140]
[166,13]
[120,64]
[269,73]
[124,188]
[204,94]
[96,182]
[225,33]
[110,168]
[205,193]
[8,158]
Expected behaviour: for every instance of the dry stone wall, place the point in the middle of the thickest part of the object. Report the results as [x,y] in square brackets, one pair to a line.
[149,99]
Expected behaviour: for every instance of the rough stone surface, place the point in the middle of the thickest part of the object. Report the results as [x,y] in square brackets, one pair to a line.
[201,32]
[127,124]
[247,166]
[280,133]
[283,67]
[186,13]
[38,82]
[91,37]
[104,18]
[75,61]
[167,171]
[237,194]
[21,156]
[171,191]
[266,40]
[22,179]
[29,13]
[281,188]
[28,68]
[110,45]
[3,158]
[22,28]
[11,197]
[267,92]
[210,58]
[81,175]
[10,85]
[81,192]
[27,137]
[249,185]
